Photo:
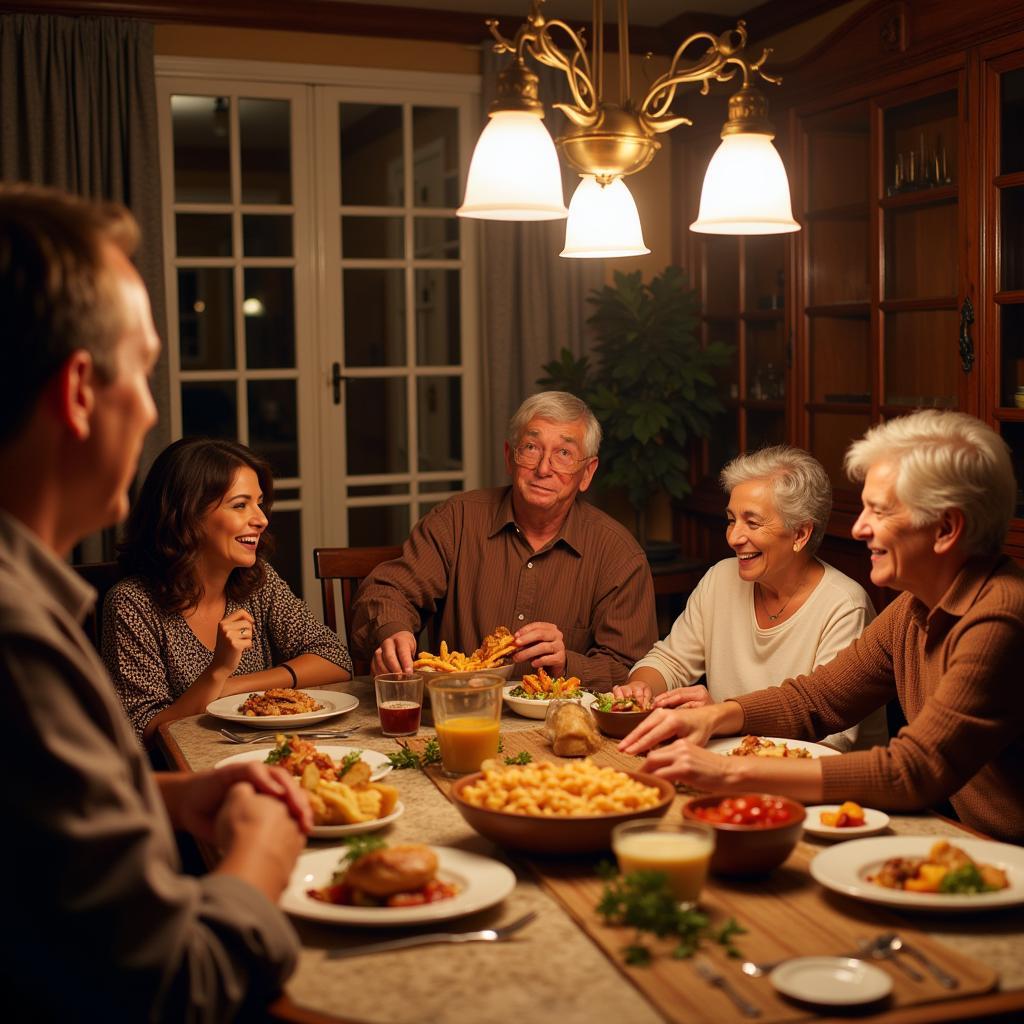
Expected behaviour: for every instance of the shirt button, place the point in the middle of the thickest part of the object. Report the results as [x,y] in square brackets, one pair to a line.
[529,565]
[520,617]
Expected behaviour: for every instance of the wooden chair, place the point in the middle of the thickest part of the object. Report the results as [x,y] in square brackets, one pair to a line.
[101,576]
[349,566]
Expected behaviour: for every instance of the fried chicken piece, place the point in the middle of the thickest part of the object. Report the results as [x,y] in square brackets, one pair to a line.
[393,869]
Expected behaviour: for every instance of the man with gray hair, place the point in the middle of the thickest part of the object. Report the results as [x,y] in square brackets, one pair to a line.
[569,581]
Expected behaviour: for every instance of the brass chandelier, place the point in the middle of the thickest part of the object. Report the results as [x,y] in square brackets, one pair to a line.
[514,173]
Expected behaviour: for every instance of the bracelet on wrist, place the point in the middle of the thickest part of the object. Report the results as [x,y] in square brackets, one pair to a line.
[291,672]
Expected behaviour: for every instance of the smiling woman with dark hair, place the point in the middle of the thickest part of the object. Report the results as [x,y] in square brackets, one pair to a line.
[201,614]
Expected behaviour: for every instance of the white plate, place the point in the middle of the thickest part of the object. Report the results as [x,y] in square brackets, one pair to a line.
[482,882]
[378,762]
[334,831]
[844,868]
[831,980]
[539,708]
[727,744]
[874,822]
[333,704]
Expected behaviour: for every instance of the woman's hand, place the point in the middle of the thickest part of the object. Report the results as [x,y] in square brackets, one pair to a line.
[684,697]
[640,692]
[685,761]
[696,724]
[234,638]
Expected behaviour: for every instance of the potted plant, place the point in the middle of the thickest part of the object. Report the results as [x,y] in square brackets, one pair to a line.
[650,384]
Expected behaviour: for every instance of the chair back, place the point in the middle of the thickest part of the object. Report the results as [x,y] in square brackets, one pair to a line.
[349,567]
[101,576]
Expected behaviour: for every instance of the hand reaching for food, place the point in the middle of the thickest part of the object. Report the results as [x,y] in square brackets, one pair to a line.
[542,645]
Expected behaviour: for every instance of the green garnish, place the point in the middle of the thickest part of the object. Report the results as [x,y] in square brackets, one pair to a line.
[348,761]
[355,847]
[609,702]
[523,757]
[644,901]
[965,879]
[278,754]
[406,758]
[501,744]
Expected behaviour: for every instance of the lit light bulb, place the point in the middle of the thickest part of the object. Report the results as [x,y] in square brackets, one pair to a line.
[603,222]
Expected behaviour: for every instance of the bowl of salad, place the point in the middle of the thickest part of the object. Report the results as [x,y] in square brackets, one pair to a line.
[531,696]
[619,716]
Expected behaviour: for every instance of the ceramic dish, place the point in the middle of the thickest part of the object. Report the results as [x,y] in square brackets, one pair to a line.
[378,762]
[831,980]
[482,882]
[619,724]
[562,834]
[844,869]
[539,708]
[334,703]
[336,831]
[505,671]
[874,822]
[727,744]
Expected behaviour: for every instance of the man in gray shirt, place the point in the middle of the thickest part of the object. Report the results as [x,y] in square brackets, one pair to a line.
[101,921]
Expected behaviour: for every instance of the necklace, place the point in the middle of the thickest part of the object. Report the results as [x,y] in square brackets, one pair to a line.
[785,604]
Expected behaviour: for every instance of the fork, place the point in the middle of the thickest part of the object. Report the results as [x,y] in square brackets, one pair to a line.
[269,736]
[715,977]
[486,935]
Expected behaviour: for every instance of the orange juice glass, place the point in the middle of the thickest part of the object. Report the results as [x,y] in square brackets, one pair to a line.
[466,711]
[678,850]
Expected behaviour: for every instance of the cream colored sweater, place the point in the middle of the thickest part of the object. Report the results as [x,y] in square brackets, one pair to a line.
[718,636]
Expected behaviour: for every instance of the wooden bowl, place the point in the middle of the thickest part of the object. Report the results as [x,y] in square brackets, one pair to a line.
[619,724]
[533,834]
[750,849]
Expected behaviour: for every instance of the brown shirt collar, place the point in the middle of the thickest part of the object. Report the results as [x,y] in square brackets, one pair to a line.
[963,591]
[571,534]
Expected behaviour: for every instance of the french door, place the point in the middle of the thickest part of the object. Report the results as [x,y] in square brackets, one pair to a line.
[321,292]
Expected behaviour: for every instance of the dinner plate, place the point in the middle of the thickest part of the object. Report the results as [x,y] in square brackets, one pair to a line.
[831,980]
[378,762]
[539,708]
[482,882]
[333,703]
[844,869]
[336,831]
[727,744]
[874,822]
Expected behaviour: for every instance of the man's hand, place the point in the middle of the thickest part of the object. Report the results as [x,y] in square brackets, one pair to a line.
[541,644]
[640,692]
[395,654]
[684,697]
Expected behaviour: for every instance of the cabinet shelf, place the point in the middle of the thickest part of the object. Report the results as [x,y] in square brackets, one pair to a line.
[917,305]
[920,197]
[763,316]
[763,404]
[842,310]
[1009,180]
[1010,298]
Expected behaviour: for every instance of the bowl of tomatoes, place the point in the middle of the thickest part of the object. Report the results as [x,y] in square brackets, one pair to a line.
[754,832]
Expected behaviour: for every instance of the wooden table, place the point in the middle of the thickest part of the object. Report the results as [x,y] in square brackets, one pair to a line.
[554,973]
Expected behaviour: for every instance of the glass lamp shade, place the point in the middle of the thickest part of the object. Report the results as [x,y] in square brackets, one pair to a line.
[746,191]
[603,222]
[514,173]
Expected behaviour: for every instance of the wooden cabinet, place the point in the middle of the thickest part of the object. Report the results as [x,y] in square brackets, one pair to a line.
[906,290]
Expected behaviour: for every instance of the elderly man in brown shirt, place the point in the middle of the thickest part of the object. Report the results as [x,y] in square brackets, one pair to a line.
[102,924]
[570,582]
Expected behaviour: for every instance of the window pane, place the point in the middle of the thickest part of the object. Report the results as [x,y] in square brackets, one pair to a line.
[286,527]
[209,409]
[376,424]
[1013,435]
[766,362]
[201,126]
[439,416]
[831,435]
[273,424]
[435,140]
[269,308]
[265,141]
[921,251]
[1011,219]
[922,360]
[436,238]
[765,280]
[377,489]
[724,443]
[206,315]
[1011,323]
[372,238]
[203,234]
[838,261]
[374,303]
[376,527]
[840,353]
[764,429]
[433,486]
[438,319]
[722,294]
[1011,117]
[266,235]
[372,172]
[920,144]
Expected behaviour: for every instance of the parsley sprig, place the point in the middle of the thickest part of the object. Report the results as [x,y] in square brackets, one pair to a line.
[355,847]
[523,757]
[279,754]
[406,758]
[644,901]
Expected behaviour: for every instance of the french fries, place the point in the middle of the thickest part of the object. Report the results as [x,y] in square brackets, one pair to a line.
[543,686]
[337,803]
[492,652]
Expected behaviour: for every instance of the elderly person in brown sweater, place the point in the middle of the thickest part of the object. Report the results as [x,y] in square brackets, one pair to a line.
[938,494]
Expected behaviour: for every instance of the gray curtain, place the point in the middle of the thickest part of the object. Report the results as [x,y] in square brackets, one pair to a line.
[533,302]
[78,111]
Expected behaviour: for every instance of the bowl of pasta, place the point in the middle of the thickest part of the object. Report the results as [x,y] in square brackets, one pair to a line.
[557,807]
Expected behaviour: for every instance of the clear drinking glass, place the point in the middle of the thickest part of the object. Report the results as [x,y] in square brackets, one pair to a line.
[467,712]
[680,850]
[399,702]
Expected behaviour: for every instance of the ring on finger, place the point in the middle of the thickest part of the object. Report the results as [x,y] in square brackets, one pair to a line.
[244,631]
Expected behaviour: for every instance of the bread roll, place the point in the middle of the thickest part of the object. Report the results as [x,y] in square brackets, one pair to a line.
[571,729]
[393,869]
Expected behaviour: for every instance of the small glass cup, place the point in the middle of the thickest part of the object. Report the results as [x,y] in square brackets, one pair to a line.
[681,850]
[467,713]
[399,702]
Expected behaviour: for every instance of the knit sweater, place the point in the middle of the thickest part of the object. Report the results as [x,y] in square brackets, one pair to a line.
[956,671]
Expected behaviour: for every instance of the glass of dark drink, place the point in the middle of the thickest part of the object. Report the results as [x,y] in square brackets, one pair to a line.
[399,702]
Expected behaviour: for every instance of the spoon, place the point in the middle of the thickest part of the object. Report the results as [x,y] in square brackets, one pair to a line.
[896,944]
[880,949]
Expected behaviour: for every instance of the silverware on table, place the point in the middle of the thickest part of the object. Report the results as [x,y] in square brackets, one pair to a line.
[892,941]
[715,977]
[486,935]
[258,737]
[756,969]
[879,950]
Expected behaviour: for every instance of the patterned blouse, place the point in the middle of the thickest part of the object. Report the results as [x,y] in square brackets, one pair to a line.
[154,657]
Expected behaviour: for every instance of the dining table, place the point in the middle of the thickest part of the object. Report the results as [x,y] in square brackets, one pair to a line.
[568,967]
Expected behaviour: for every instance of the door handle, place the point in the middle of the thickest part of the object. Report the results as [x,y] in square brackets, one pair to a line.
[966,345]
[336,379]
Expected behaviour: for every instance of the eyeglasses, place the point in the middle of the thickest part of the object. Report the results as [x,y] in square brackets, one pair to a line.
[562,460]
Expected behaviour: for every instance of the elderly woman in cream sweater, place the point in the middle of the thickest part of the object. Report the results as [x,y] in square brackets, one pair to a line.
[773,611]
